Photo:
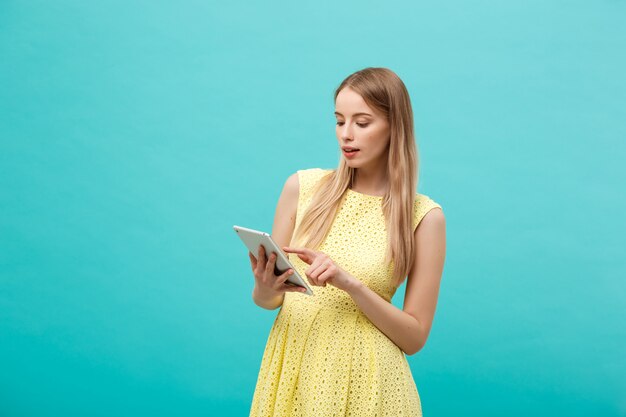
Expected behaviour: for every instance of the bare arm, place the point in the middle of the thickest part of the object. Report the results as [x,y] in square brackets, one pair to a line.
[409,328]
[282,231]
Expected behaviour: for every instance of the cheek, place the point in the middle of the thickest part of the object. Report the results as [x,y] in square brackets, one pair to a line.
[378,139]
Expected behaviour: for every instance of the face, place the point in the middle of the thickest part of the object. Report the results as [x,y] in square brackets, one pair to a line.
[361,127]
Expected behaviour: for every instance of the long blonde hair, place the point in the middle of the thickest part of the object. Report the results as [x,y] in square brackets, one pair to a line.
[384,91]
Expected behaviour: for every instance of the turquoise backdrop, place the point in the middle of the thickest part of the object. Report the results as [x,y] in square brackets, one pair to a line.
[132,138]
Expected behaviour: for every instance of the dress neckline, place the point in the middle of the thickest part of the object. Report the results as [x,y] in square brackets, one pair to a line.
[365,195]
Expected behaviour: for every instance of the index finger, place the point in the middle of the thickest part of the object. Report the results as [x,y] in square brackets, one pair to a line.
[305,251]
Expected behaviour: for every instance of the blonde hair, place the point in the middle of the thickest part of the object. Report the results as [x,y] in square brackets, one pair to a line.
[384,91]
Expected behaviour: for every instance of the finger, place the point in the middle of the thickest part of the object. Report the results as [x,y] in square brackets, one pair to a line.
[326,276]
[303,256]
[318,267]
[292,288]
[312,278]
[260,264]
[302,251]
[262,256]
[284,276]
[288,249]
[281,280]
[253,260]
[305,251]
[269,267]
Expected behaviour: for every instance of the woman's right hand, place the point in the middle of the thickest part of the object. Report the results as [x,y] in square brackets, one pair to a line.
[266,282]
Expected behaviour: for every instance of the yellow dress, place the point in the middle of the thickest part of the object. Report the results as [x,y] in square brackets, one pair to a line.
[323,356]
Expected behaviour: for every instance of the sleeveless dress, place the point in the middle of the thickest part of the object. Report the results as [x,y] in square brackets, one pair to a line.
[323,356]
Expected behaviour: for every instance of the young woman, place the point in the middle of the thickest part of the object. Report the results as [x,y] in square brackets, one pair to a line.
[356,232]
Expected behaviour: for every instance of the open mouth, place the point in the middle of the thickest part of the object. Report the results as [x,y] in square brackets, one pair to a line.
[350,152]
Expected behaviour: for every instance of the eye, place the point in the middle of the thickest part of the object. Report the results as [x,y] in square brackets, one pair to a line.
[339,123]
[362,124]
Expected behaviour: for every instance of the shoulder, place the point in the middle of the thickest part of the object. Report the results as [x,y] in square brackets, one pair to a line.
[305,176]
[312,173]
[423,210]
[309,177]
[292,185]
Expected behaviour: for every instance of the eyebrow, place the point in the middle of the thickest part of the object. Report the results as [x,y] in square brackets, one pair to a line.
[355,114]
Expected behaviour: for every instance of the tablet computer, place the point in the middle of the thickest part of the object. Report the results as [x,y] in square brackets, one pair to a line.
[255,238]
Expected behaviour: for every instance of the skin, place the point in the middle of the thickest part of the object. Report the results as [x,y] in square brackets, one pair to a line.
[362,127]
[408,327]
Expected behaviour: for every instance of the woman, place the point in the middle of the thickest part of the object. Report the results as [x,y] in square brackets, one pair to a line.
[353,232]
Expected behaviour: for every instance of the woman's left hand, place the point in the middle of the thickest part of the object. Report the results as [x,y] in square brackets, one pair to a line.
[323,269]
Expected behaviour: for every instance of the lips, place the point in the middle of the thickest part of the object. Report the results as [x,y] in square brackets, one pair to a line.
[350,153]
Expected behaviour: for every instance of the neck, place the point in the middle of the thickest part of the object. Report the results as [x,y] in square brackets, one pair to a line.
[370,180]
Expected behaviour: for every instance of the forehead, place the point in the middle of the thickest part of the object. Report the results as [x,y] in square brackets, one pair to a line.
[349,102]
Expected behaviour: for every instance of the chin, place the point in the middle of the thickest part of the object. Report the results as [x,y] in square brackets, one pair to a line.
[355,163]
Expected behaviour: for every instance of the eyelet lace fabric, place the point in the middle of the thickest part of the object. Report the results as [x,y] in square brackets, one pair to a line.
[323,356]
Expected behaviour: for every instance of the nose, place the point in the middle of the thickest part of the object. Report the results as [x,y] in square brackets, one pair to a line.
[346,131]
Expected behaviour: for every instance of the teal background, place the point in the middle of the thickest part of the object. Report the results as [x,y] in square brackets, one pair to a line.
[133,136]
